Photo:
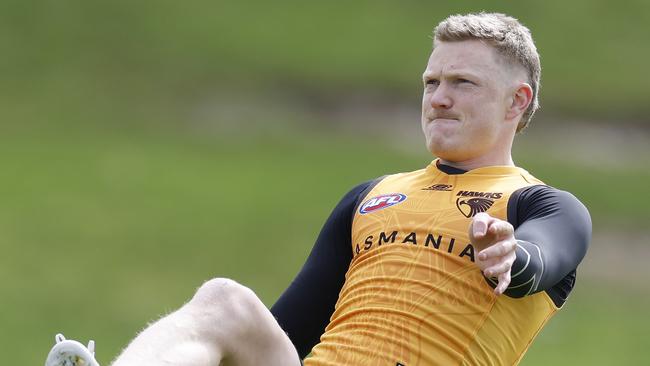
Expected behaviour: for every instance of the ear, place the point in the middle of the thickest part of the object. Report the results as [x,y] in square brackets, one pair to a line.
[519,101]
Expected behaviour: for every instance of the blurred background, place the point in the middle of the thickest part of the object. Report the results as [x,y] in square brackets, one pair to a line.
[147,146]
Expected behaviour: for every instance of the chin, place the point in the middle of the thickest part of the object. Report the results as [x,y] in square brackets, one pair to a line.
[439,147]
[447,153]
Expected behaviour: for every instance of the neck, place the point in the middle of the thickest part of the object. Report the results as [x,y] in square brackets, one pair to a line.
[479,162]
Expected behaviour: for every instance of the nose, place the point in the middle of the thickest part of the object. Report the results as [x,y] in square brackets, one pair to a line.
[440,98]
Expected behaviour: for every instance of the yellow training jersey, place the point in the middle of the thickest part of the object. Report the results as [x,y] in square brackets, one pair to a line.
[413,294]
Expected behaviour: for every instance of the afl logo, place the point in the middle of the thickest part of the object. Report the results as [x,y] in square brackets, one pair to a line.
[383,201]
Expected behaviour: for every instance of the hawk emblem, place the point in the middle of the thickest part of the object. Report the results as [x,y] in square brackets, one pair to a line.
[472,206]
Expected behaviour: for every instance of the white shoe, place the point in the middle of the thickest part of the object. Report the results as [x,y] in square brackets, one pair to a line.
[71,353]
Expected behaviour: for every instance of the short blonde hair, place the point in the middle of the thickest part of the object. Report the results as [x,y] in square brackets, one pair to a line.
[510,38]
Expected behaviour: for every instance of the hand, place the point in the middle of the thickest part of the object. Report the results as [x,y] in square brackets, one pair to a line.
[494,239]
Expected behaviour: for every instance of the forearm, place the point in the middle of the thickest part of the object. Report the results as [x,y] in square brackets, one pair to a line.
[552,235]
[526,272]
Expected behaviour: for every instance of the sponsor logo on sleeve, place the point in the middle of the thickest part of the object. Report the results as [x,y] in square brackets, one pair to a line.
[380,202]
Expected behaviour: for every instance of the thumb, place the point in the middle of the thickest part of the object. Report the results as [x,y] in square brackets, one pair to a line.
[480,225]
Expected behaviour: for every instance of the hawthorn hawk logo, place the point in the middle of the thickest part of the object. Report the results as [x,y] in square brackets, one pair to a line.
[472,206]
[469,203]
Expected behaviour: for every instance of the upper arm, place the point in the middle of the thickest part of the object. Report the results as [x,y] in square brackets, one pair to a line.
[304,309]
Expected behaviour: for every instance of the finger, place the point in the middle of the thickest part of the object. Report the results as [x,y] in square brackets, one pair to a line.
[495,262]
[498,249]
[499,268]
[480,224]
[501,229]
[504,281]
[484,264]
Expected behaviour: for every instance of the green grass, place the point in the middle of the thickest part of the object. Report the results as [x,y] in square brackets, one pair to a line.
[123,188]
[104,232]
[613,195]
[599,325]
[105,229]
[158,52]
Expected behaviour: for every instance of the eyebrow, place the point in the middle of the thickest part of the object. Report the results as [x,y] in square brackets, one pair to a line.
[454,74]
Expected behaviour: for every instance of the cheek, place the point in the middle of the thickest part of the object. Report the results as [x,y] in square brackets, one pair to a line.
[426,108]
[425,102]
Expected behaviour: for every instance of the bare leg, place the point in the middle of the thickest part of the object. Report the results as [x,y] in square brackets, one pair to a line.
[223,324]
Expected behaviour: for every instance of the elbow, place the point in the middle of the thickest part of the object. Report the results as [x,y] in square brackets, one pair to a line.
[515,294]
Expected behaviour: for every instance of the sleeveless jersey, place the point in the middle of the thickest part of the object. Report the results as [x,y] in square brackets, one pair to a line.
[413,294]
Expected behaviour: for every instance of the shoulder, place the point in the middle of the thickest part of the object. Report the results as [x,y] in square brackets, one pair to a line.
[353,198]
[541,200]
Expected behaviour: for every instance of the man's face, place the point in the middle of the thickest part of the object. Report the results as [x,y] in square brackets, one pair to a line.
[466,97]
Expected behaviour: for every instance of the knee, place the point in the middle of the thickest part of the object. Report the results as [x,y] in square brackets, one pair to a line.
[226,294]
[235,307]
[235,319]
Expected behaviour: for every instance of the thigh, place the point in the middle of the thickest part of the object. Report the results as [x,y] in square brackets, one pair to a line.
[170,341]
[224,324]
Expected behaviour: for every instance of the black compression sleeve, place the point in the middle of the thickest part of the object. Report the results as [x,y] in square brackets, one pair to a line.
[304,309]
[553,230]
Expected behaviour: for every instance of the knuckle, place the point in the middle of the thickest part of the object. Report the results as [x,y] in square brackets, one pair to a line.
[503,249]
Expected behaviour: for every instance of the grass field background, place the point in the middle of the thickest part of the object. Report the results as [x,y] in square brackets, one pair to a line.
[103,231]
[166,53]
[146,147]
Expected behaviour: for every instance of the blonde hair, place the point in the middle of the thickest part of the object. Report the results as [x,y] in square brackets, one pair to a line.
[510,38]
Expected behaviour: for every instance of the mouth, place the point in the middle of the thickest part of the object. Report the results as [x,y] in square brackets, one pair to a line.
[441,117]
[443,120]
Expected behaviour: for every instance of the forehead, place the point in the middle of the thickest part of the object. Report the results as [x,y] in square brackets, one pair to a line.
[471,56]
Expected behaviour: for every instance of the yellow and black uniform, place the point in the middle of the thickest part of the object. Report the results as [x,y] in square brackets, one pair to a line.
[392,280]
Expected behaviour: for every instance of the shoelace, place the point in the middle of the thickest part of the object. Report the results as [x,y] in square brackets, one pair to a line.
[91,344]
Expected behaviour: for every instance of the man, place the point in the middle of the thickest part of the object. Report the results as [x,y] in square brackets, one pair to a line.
[460,263]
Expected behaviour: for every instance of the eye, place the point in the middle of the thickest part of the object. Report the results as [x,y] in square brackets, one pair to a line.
[431,82]
[464,81]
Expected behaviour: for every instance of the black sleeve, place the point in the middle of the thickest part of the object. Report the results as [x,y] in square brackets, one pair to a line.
[553,230]
[304,309]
